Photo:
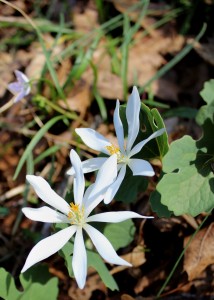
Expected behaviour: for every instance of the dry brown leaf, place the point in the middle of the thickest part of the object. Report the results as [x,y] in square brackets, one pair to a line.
[93,282]
[85,19]
[200,252]
[126,297]
[145,58]
[7,65]
[136,258]
[79,98]
[38,61]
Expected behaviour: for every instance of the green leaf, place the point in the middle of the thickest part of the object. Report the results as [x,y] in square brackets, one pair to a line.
[95,261]
[156,205]
[37,284]
[182,112]
[189,185]
[120,234]
[150,121]
[130,187]
[8,289]
[208,91]
[205,112]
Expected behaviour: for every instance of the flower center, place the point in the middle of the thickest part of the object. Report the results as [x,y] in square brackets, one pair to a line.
[76,214]
[113,149]
[121,158]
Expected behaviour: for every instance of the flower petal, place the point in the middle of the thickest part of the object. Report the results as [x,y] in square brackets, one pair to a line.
[45,192]
[118,125]
[93,139]
[104,247]
[140,145]
[19,97]
[89,165]
[79,261]
[79,180]
[132,116]
[48,246]
[44,214]
[141,167]
[14,87]
[115,217]
[21,77]
[105,177]
[114,187]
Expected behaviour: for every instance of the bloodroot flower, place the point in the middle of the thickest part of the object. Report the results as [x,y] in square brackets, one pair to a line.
[21,87]
[124,150]
[77,215]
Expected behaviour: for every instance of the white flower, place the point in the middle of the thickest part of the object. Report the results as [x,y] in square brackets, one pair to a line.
[76,214]
[21,87]
[124,152]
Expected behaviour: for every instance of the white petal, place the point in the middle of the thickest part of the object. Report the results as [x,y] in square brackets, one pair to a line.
[132,116]
[115,217]
[21,77]
[140,145]
[114,187]
[105,177]
[48,246]
[79,180]
[141,167]
[93,139]
[118,125]
[45,192]
[44,214]
[90,165]
[79,261]
[104,247]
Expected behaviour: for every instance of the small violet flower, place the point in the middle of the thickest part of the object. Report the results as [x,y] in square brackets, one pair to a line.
[21,87]
[124,152]
[77,215]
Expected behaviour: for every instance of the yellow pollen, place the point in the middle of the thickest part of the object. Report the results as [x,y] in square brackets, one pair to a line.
[113,149]
[76,214]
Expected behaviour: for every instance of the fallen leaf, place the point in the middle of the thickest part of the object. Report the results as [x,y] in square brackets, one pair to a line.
[93,282]
[200,252]
[85,19]
[136,258]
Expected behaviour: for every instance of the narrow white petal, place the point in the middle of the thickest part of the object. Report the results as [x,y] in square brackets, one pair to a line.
[114,187]
[90,165]
[45,192]
[141,167]
[79,180]
[105,177]
[115,217]
[48,246]
[118,125]
[140,145]
[93,139]
[104,247]
[21,77]
[132,116]
[44,214]
[79,261]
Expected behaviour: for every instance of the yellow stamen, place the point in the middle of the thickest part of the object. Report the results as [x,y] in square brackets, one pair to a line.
[76,214]
[113,149]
